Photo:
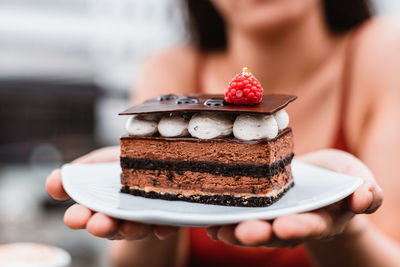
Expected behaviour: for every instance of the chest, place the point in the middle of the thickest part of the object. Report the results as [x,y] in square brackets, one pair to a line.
[315,115]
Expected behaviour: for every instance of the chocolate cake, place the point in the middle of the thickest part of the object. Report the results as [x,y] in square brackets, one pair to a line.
[199,148]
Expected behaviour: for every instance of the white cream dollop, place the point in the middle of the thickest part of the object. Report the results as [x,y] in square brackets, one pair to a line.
[207,125]
[140,126]
[173,125]
[282,119]
[251,127]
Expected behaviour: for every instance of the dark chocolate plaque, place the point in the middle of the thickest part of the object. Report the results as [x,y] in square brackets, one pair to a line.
[201,102]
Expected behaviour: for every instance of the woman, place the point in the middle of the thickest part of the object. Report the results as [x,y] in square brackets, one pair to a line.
[344,66]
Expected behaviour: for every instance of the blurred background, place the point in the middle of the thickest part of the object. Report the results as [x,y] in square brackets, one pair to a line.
[66,69]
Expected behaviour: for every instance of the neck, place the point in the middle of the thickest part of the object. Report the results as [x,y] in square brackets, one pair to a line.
[295,52]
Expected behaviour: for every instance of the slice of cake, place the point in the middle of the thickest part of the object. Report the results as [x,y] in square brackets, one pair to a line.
[200,148]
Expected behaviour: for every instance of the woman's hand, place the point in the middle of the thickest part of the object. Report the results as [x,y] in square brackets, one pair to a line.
[98,224]
[325,223]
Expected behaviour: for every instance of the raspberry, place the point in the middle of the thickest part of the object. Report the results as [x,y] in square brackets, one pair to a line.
[244,89]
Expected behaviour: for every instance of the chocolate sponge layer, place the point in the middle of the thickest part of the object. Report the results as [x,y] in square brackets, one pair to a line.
[192,183]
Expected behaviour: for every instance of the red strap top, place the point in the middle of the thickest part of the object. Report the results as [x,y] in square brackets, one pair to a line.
[205,252]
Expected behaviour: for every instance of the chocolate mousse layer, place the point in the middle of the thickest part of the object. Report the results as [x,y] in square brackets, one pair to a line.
[226,150]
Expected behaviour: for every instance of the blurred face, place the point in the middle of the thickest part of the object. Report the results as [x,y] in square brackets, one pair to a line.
[263,15]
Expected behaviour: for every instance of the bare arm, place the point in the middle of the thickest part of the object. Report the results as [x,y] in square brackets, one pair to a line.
[376,239]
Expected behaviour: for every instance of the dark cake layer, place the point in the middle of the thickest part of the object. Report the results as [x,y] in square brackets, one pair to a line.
[191,183]
[225,200]
[250,170]
[228,150]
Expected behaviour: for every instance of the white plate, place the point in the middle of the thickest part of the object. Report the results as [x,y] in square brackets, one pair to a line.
[97,186]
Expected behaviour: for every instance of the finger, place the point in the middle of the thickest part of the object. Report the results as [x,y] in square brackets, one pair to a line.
[101,225]
[377,200]
[212,232]
[106,154]
[134,231]
[162,232]
[362,198]
[54,186]
[253,232]
[302,226]
[366,199]
[77,216]
[227,234]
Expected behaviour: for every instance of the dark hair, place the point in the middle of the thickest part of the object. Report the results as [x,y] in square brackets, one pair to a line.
[207,28]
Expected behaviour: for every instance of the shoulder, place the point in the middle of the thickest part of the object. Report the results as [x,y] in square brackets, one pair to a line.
[377,65]
[382,32]
[378,52]
[168,71]
[383,27]
[376,76]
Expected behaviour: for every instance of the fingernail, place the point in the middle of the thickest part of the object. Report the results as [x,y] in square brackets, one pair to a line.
[117,236]
[376,200]
[211,237]
[159,236]
[371,196]
[162,233]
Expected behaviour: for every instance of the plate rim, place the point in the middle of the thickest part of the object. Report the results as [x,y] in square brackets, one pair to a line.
[200,220]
